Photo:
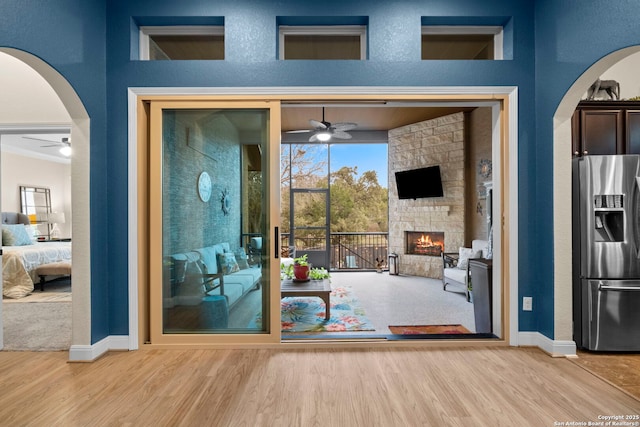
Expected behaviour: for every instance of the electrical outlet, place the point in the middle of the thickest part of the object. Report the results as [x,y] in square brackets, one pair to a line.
[527,303]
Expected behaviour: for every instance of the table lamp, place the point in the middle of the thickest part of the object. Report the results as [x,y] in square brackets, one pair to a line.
[56,218]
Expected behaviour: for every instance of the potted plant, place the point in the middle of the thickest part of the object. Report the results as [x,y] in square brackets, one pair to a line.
[301,267]
[286,271]
[318,273]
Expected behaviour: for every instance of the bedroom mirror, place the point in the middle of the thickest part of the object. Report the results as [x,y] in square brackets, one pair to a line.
[35,202]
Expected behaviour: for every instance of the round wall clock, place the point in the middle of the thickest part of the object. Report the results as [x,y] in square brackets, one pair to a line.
[204,186]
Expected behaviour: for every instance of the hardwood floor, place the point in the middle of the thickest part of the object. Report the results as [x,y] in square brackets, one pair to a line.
[620,369]
[302,387]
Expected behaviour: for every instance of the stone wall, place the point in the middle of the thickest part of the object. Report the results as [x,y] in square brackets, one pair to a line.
[440,142]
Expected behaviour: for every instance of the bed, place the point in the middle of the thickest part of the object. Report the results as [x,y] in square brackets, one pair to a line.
[19,261]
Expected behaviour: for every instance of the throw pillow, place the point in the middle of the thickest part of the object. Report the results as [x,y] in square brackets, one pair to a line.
[227,262]
[464,255]
[241,258]
[15,235]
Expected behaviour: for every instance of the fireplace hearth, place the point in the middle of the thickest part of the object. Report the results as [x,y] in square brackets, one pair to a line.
[429,243]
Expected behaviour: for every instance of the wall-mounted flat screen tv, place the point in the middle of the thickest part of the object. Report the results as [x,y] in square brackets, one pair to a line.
[419,183]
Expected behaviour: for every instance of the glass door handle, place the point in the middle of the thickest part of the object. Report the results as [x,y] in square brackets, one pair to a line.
[276,240]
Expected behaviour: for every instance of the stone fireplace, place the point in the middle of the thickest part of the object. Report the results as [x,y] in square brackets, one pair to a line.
[440,142]
[429,243]
[457,143]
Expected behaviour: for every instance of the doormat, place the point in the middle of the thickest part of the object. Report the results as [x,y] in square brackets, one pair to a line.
[429,329]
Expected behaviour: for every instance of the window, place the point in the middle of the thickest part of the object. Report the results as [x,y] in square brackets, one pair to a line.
[462,42]
[181,43]
[323,42]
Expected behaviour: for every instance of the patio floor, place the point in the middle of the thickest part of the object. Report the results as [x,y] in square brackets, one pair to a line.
[387,300]
[406,300]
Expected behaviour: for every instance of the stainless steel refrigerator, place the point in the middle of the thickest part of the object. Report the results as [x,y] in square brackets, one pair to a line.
[606,252]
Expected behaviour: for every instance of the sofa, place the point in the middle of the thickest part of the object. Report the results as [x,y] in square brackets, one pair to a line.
[210,271]
[455,265]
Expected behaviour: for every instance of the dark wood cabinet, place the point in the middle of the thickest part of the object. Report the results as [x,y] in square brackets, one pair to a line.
[602,127]
[601,132]
[633,131]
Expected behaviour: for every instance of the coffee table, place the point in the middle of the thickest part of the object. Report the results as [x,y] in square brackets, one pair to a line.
[310,288]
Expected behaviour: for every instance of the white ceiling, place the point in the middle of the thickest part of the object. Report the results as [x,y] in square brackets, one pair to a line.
[46,146]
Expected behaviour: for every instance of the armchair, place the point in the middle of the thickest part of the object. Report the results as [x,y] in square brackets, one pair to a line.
[189,282]
[187,294]
[455,265]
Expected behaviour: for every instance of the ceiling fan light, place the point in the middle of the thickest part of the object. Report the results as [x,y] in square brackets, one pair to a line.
[323,136]
[65,151]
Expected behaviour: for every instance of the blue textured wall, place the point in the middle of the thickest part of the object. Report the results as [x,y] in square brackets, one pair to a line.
[70,35]
[571,35]
[251,33]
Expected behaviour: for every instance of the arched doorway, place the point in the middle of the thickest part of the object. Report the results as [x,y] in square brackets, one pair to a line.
[563,308]
[81,307]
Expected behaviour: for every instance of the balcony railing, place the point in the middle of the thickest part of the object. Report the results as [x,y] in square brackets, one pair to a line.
[349,251]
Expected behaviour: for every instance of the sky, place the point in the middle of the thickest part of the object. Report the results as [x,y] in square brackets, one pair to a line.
[366,156]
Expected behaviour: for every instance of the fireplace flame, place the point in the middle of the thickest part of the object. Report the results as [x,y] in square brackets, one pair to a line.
[425,241]
[427,244]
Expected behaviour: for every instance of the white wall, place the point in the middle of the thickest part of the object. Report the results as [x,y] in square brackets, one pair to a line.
[26,96]
[625,72]
[17,170]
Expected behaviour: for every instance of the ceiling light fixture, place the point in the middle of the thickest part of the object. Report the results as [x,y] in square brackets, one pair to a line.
[323,136]
[65,151]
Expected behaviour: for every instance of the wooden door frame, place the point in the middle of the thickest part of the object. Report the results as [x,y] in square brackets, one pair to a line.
[150,217]
[502,100]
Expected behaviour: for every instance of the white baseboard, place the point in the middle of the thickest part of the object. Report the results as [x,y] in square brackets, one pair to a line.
[554,348]
[88,353]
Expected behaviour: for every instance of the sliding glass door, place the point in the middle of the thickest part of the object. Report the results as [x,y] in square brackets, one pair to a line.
[212,275]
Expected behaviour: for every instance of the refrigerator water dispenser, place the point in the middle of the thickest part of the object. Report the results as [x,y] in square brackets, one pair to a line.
[609,218]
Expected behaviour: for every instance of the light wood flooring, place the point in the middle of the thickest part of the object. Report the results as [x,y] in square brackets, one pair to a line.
[305,387]
[620,369]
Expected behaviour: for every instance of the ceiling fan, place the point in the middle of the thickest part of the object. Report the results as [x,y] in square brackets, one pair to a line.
[64,144]
[324,131]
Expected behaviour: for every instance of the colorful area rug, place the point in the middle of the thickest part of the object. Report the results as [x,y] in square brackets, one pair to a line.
[429,329]
[306,314]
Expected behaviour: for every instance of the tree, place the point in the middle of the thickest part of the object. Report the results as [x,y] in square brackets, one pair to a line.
[303,166]
[255,200]
[358,203]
